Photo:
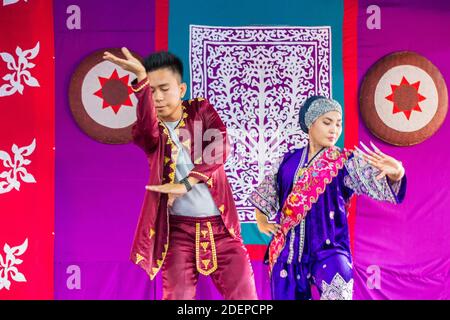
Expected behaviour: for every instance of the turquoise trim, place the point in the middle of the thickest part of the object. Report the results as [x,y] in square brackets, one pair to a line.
[251,234]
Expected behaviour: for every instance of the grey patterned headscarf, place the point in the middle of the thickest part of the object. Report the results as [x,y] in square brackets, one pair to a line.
[314,107]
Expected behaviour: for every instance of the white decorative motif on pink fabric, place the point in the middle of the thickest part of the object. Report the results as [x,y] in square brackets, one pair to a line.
[20,71]
[15,169]
[8,265]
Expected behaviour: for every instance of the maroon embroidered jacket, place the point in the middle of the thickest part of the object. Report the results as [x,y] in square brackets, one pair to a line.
[151,240]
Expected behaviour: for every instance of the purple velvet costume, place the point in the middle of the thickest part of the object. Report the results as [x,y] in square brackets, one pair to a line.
[317,250]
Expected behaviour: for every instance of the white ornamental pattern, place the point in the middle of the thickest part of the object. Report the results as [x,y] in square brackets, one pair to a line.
[14,167]
[8,265]
[257,78]
[20,71]
[338,289]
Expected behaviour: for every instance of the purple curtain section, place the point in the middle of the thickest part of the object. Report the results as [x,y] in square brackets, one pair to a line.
[403,252]
[99,188]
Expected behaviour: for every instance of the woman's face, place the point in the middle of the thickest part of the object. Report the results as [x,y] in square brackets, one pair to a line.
[325,131]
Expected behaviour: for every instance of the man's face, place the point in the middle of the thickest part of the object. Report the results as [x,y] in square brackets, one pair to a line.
[168,92]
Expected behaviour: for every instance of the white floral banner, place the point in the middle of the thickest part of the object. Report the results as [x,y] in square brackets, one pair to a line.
[257,78]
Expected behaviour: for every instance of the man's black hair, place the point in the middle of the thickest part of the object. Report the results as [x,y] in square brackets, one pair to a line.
[164,59]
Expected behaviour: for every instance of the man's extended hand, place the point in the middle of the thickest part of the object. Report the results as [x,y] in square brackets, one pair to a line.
[174,191]
[174,188]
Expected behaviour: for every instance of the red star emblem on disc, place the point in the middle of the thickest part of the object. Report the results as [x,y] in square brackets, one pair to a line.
[115,92]
[403,98]
[406,97]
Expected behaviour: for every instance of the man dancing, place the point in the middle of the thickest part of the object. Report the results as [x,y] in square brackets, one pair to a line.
[188,223]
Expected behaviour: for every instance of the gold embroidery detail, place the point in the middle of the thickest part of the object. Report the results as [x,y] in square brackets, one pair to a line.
[139,258]
[197,242]
[198,160]
[166,160]
[166,132]
[200,174]
[185,115]
[152,232]
[210,182]
[222,208]
[232,232]
[204,245]
[181,124]
[173,168]
[140,87]
[159,263]
[206,263]
[197,250]
[200,99]
[213,247]
[172,171]
[204,233]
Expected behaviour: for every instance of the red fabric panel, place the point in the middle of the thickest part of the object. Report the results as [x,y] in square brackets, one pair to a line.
[27,120]
[161,25]
[350,62]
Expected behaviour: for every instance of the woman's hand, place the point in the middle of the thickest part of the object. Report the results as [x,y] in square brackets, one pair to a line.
[130,63]
[387,165]
[264,226]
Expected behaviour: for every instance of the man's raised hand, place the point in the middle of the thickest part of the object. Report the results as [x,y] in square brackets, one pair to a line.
[130,63]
